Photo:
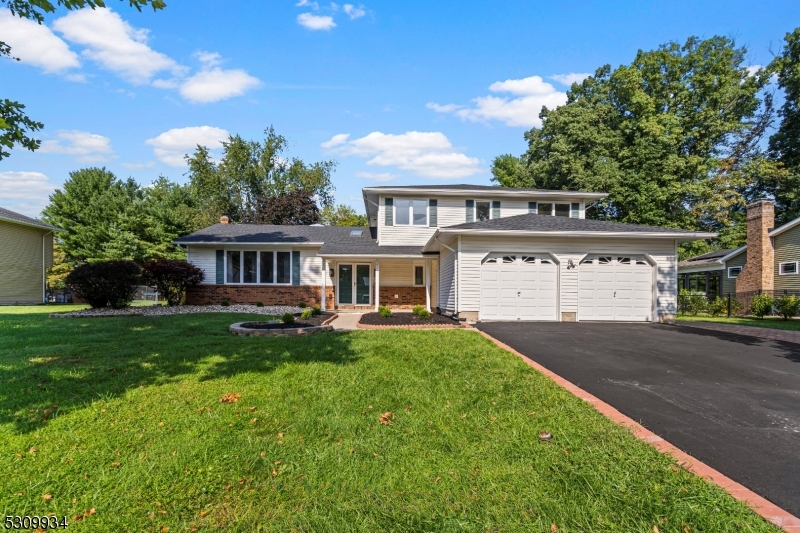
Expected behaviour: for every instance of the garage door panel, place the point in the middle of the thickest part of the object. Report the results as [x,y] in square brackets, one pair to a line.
[617,289]
[524,289]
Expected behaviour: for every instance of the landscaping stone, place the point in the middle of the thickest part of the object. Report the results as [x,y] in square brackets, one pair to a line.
[163,310]
[406,320]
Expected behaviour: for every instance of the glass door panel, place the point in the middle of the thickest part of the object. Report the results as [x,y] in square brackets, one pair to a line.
[346,284]
[362,284]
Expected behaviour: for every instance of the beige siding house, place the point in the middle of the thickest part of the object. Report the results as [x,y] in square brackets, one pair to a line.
[26,251]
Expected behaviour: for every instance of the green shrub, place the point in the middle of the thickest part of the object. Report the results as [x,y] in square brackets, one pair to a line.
[306,314]
[718,306]
[684,296]
[171,277]
[384,311]
[225,303]
[418,309]
[287,318]
[317,310]
[259,304]
[424,314]
[736,307]
[697,304]
[787,306]
[302,305]
[107,284]
[762,305]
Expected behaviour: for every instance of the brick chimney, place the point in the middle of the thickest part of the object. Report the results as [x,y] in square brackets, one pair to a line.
[758,273]
[224,219]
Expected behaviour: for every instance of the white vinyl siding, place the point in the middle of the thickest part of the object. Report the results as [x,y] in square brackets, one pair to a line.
[21,263]
[475,248]
[205,258]
[447,280]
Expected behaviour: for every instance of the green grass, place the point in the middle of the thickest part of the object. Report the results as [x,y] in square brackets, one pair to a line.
[123,416]
[767,322]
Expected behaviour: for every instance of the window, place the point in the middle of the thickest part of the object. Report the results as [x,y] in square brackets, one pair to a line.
[788,268]
[642,262]
[491,260]
[603,260]
[483,210]
[623,260]
[562,210]
[546,262]
[410,212]
[733,272]
[356,233]
[509,259]
[419,275]
[267,267]
[545,209]
[249,266]
[587,261]
[528,259]
[234,267]
[283,266]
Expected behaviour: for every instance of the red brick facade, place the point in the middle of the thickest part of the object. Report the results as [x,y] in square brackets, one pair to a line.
[407,297]
[250,294]
[758,272]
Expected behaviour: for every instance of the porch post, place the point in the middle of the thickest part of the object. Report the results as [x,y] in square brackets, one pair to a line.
[324,284]
[377,285]
[428,285]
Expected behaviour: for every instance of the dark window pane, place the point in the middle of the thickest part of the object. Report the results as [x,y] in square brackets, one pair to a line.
[483,210]
[233,268]
[401,209]
[562,210]
[545,209]
[419,275]
[267,267]
[284,267]
[420,208]
[250,267]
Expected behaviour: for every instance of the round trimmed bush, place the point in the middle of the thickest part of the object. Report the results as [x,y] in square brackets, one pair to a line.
[287,318]
[317,310]
[384,311]
[171,277]
[107,284]
[306,314]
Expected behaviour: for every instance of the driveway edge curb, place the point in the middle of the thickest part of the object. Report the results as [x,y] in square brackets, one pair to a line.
[766,509]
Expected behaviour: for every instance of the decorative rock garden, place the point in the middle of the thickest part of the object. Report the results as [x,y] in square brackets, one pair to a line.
[277,328]
[163,310]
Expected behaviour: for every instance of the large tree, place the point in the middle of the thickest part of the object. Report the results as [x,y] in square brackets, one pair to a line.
[784,145]
[652,134]
[342,215]
[250,170]
[292,208]
[15,126]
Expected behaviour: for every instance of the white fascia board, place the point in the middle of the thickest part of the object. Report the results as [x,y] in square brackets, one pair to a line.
[488,193]
[707,267]
[732,254]
[229,243]
[373,257]
[28,224]
[787,226]
[681,237]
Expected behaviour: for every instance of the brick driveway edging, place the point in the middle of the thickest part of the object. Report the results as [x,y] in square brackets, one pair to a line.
[752,331]
[766,509]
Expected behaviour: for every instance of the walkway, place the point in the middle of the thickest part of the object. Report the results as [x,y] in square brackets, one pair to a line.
[346,321]
[752,331]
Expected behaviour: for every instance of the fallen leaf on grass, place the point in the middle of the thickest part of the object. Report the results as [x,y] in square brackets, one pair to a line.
[438,478]
[115,464]
[277,463]
[164,529]
[252,409]
[204,514]
[553,528]
[253,421]
[274,472]
[161,424]
[386,418]
[655,529]
[47,497]
[32,451]
[407,408]
[230,397]
[280,435]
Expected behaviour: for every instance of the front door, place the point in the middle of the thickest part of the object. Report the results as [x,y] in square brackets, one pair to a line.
[354,284]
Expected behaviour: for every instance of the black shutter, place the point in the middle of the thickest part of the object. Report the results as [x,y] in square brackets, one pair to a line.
[533,207]
[389,204]
[433,219]
[220,267]
[470,210]
[295,268]
[575,211]
[495,208]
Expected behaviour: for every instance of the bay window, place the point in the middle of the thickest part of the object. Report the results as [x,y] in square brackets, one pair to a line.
[252,267]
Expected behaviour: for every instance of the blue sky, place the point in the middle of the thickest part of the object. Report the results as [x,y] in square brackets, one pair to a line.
[396,92]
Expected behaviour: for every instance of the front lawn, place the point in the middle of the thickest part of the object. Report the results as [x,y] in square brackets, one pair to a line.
[117,424]
[767,322]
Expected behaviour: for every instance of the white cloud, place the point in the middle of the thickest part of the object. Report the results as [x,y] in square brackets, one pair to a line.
[307,3]
[315,22]
[87,147]
[531,93]
[569,79]
[36,45]
[171,146]
[139,166]
[214,84]
[753,69]
[427,154]
[354,12]
[25,192]
[377,176]
[115,44]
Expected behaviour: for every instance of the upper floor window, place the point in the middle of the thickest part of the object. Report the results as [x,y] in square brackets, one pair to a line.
[481,210]
[733,272]
[410,212]
[788,268]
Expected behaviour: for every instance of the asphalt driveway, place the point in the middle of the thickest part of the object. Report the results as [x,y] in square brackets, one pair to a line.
[732,401]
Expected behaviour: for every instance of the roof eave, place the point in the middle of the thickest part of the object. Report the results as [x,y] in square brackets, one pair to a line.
[685,237]
[732,254]
[375,256]
[214,243]
[478,193]
[44,227]
[688,269]
[785,227]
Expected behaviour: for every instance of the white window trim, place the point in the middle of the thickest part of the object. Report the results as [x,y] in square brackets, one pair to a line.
[733,267]
[414,277]
[491,210]
[411,212]
[258,267]
[782,273]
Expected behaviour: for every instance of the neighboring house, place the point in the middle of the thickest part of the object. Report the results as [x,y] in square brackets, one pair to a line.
[26,251]
[767,263]
[475,252]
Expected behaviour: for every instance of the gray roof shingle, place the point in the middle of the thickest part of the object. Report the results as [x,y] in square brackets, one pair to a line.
[5,214]
[533,222]
[467,187]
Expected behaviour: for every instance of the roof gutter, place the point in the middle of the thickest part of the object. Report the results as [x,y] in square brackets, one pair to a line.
[484,192]
[226,243]
[624,234]
[377,256]
[44,227]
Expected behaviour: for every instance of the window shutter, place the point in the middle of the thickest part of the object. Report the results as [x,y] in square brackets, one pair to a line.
[433,219]
[495,208]
[389,204]
[470,210]
[533,207]
[575,211]
[295,267]
[220,267]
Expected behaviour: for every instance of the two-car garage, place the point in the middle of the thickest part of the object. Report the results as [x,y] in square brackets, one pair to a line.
[610,287]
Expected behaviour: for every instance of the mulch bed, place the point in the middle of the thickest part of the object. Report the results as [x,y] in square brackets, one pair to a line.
[408,319]
[298,323]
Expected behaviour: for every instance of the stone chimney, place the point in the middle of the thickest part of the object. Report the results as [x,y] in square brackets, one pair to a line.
[758,273]
[224,219]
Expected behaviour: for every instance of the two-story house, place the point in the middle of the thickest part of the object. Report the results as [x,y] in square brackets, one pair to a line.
[476,252]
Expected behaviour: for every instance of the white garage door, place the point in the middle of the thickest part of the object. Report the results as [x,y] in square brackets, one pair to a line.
[518,287]
[615,288]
